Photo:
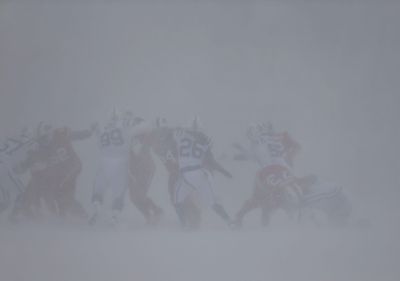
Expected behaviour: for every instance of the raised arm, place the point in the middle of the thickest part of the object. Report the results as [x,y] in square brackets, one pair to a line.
[242,153]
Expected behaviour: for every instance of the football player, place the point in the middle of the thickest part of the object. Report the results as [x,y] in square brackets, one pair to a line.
[275,185]
[195,161]
[54,168]
[12,152]
[142,169]
[113,172]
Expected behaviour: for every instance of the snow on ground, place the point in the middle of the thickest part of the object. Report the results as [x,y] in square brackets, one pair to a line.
[49,253]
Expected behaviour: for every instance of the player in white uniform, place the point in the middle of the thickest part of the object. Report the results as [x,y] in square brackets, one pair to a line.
[161,141]
[274,153]
[324,202]
[12,152]
[114,142]
[193,152]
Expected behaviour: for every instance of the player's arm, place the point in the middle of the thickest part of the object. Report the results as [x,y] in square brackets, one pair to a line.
[212,164]
[242,154]
[17,143]
[78,135]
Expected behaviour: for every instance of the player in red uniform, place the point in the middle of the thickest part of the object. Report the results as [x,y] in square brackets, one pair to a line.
[142,169]
[275,184]
[54,167]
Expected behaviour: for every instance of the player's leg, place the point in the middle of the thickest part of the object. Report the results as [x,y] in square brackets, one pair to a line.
[138,198]
[5,196]
[140,182]
[248,205]
[173,177]
[192,212]
[19,206]
[49,195]
[145,180]
[99,189]
[10,188]
[254,202]
[30,201]
[27,201]
[66,197]
[119,183]
[201,180]
[266,212]
[190,209]
[182,191]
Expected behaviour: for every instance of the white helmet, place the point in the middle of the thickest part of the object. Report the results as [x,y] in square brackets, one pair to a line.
[266,128]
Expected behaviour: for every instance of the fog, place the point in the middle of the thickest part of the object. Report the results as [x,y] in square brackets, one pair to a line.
[325,71]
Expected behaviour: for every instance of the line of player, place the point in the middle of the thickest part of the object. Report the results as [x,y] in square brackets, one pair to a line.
[126,145]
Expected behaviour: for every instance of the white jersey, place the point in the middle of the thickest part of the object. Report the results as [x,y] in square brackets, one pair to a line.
[191,147]
[13,151]
[260,154]
[115,140]
[269,150]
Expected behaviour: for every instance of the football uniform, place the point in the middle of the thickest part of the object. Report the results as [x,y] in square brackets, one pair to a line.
[191,150]
[12,152]
[113,168]
[194,155]
[275,184]
[113,172]
[54,169]
[142,169]
[326,198]
[163,145]
[270,152]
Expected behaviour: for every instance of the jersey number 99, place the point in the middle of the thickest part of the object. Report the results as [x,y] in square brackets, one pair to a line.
[112,137]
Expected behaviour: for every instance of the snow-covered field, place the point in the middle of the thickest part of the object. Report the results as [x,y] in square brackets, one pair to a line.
[286,250]
[325,71]
[50,253]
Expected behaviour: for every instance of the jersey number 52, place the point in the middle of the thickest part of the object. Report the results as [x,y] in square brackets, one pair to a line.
[190,148]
